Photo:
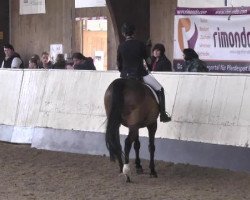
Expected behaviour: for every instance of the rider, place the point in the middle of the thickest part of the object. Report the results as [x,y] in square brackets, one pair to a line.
[131,56]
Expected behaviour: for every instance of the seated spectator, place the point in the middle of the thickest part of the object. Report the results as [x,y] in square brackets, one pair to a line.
[60,62]
[159,62]
[69,66]
[83,63]
[69,63]
[192,62]
[12,59]
[33,63]
[45,61]
[38,60]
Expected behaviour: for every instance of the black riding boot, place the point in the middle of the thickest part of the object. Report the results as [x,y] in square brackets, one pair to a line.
[163,115]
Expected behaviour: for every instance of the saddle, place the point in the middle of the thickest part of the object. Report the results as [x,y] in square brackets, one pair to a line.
[153,91]
[130,76]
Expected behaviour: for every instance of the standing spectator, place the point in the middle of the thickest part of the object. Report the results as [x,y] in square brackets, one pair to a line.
[60,62]
[192,62]
[83,63]
[159,62]
[45,61]
[33,63]
[12,59]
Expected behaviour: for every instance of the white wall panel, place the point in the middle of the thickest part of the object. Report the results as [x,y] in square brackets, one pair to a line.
[216,134]
[31,95]
[172,130]
[244,115]
[10,85]
[227,100]
[74,100]
[194,98]
[200,132]
[235,135]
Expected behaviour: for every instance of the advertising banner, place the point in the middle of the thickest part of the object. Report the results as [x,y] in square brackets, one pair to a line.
[32,7]
[220,36]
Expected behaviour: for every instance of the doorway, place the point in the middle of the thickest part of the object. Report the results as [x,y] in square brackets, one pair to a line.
[93,43]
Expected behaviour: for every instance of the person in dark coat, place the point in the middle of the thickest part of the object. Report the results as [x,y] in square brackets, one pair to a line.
[60,62]
[45,61]
[82,63]
[131,57]
[192,62]
[131,54]
[12,59]
[159,62]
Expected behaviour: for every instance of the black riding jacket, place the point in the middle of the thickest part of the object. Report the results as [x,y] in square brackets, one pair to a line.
[130,56]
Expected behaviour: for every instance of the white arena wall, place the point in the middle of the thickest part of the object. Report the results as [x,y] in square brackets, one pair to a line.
[63,110]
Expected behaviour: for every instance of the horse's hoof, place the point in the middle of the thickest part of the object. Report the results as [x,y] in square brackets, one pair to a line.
[153,175]
[139,170]
[128,180]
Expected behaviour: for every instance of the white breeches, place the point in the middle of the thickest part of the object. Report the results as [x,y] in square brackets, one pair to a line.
[151,81]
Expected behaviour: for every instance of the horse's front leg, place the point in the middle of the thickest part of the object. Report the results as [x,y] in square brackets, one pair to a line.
[151,130]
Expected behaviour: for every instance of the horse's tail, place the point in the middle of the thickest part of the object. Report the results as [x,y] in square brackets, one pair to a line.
[114,120]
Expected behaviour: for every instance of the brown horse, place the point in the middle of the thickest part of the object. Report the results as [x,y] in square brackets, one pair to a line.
[131,103]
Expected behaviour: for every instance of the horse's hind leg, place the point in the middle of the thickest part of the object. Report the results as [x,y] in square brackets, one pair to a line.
[133,133]
[119,158]
[137,146]
[151,130]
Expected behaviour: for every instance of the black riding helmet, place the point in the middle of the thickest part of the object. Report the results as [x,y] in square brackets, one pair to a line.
[128,29]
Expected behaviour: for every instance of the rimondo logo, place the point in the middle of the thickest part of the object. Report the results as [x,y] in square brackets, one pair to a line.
[183,39]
